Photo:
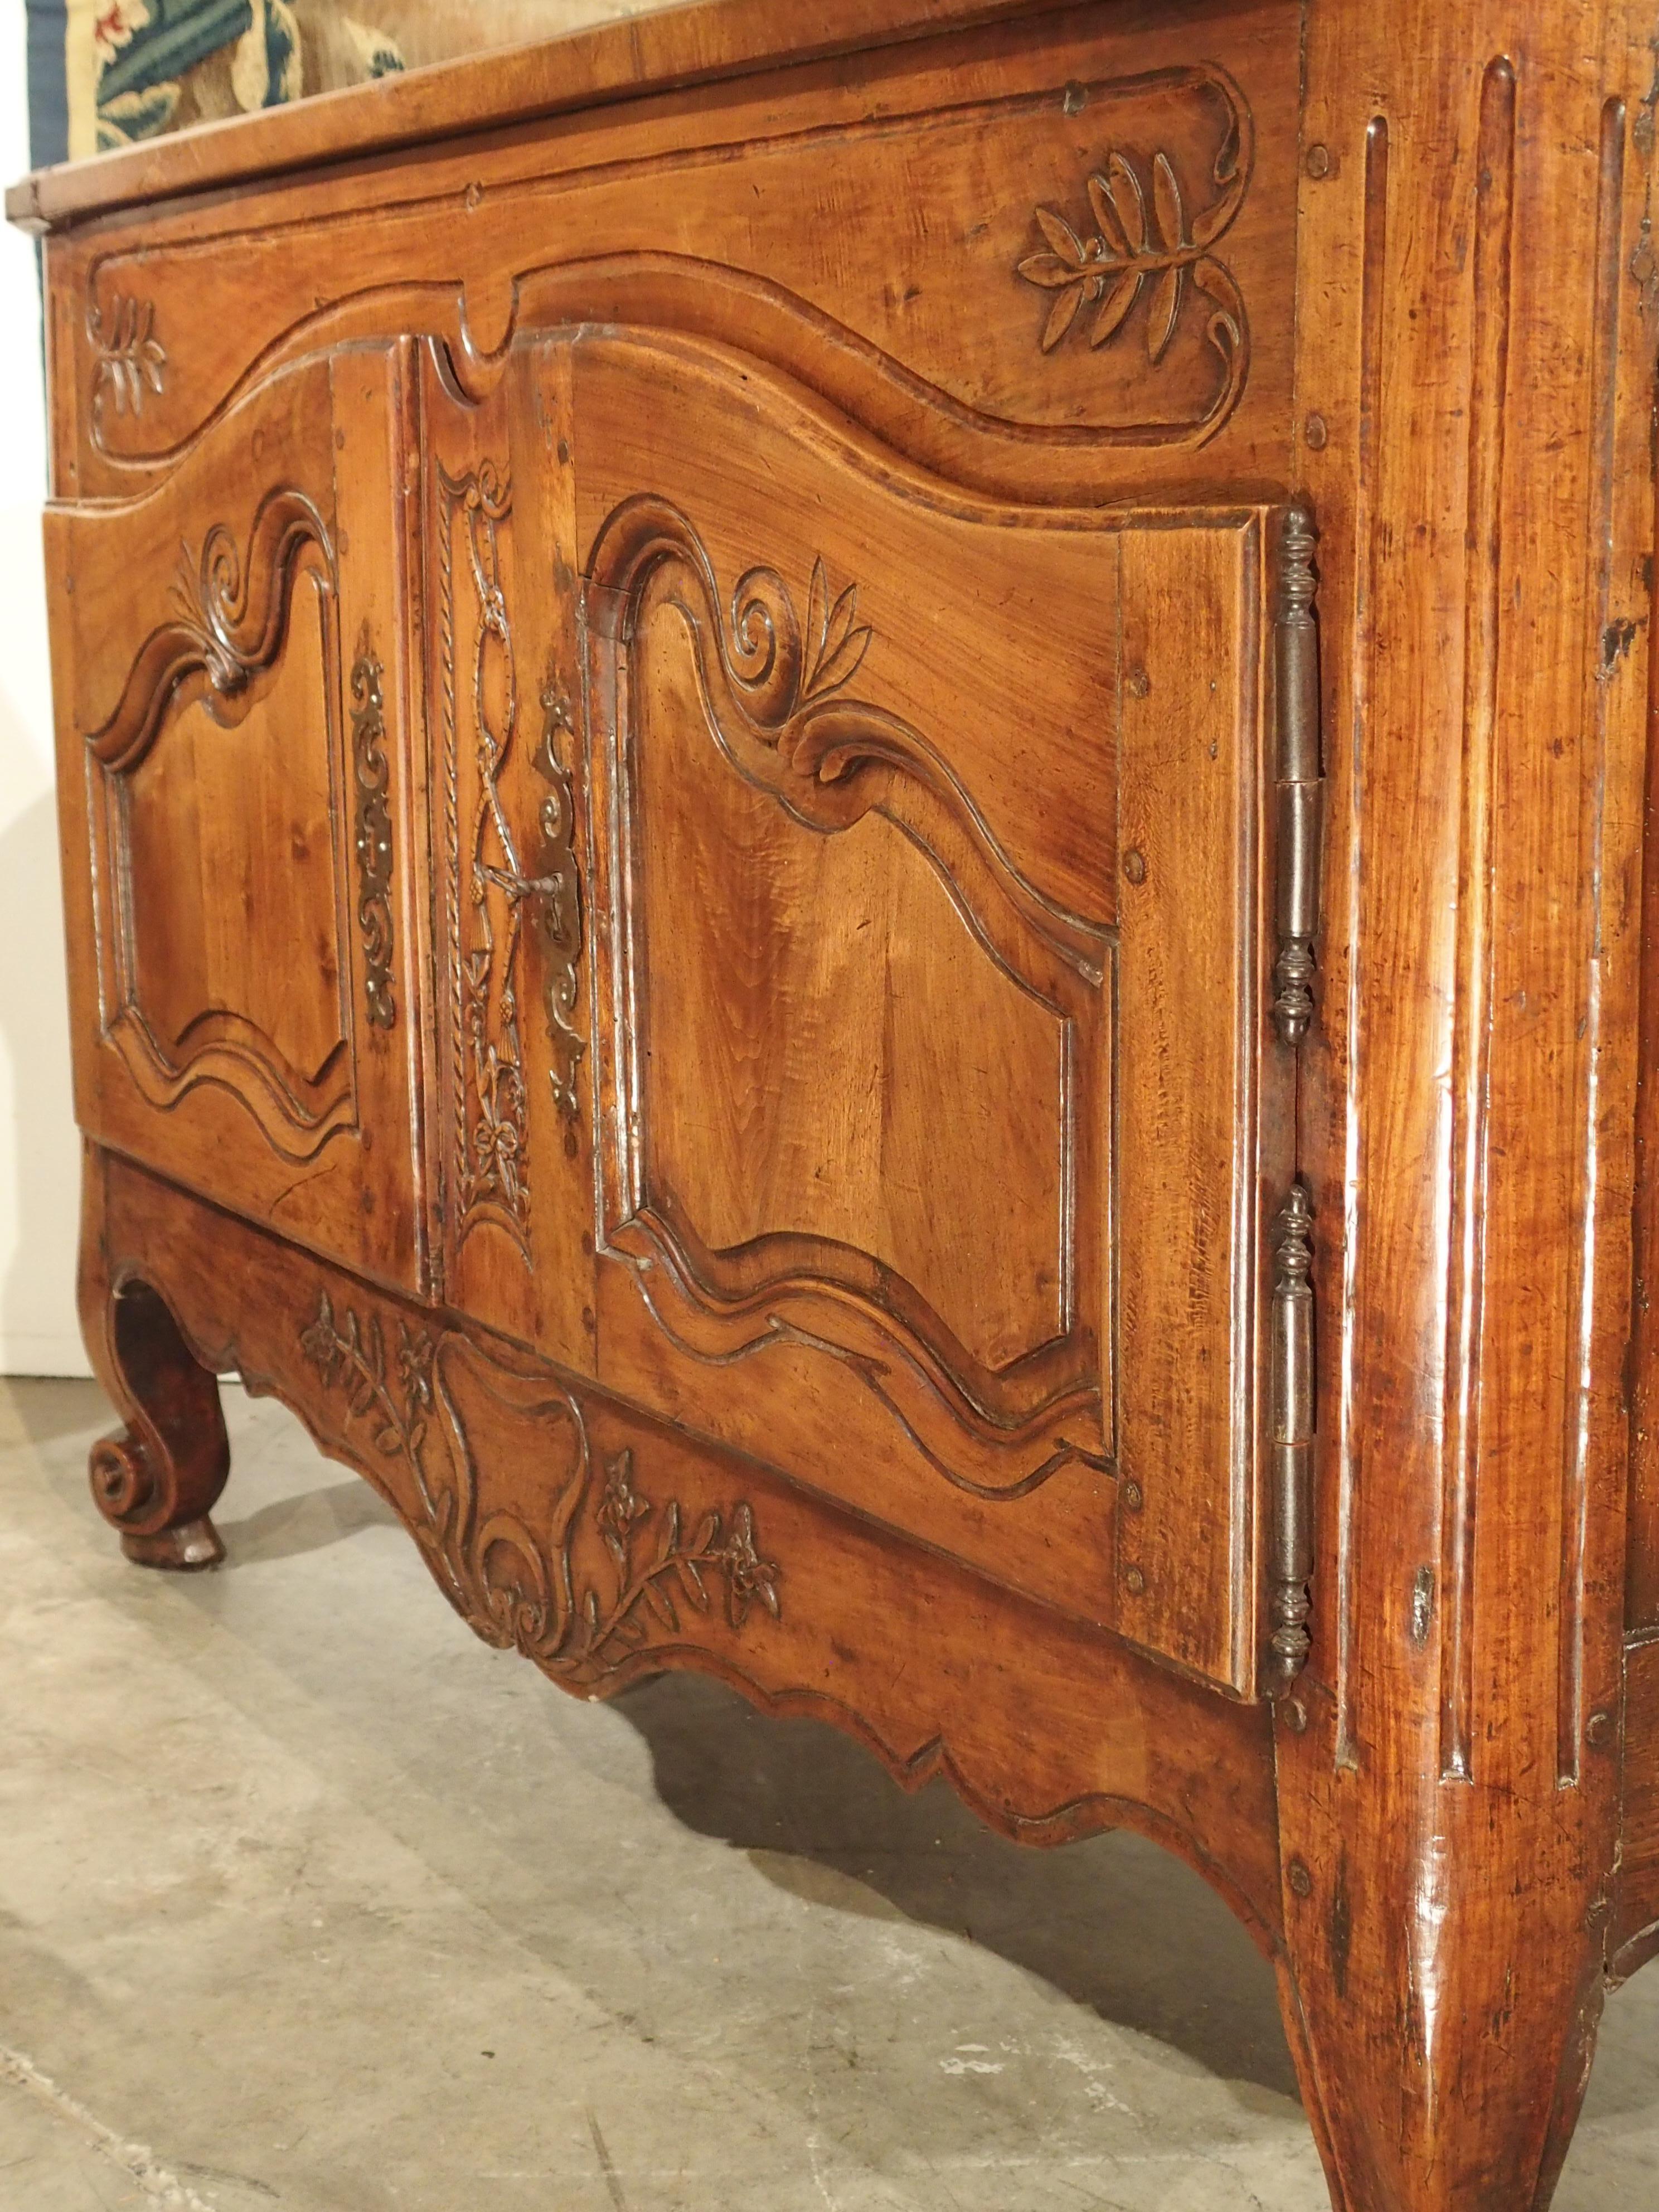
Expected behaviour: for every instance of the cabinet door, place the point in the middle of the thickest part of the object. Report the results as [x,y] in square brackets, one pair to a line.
[241,826]
[927,953]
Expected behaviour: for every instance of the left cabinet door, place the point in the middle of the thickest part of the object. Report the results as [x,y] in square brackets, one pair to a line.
[244,828]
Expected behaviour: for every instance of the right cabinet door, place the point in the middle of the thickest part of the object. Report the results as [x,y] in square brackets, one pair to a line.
[926,867]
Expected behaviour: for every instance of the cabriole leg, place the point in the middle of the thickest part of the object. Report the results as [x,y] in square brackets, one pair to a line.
[1443,1985]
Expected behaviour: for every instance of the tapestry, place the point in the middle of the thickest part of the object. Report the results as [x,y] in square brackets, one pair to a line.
[134,68]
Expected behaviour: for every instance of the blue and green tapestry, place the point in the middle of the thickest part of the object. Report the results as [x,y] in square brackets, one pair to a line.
[107,73]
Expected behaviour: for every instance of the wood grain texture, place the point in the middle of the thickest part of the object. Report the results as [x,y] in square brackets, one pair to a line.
[880,885]
[1452,1802]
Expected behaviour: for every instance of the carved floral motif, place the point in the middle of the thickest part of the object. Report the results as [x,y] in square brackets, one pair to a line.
[515,1590]
[129,359]
[373,835]
[1145,236]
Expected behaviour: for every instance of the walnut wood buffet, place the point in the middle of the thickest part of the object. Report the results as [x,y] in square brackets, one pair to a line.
[853,801]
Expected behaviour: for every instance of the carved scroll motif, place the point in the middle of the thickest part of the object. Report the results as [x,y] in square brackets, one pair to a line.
[517,1588]
[231,618]
[373,835]
[1146,239]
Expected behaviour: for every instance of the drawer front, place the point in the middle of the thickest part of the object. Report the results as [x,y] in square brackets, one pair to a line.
[239,820]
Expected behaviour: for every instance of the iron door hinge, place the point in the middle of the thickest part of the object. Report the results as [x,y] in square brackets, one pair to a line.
[1296,667]
[1290,1560]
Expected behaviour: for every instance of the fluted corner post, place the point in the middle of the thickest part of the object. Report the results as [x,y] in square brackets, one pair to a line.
[1472,400]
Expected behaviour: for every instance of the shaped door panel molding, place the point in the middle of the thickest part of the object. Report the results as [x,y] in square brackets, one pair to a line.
[189,993]
[799,880]
[240,806]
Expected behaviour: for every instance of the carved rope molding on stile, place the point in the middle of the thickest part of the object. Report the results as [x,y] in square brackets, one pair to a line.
[374,834]
[516,1589]
[1141,238]
[128,358]
[491,892]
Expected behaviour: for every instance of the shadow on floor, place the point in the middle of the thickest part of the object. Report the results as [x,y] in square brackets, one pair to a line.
[1113,1922]
[58,1406]
[293,1526]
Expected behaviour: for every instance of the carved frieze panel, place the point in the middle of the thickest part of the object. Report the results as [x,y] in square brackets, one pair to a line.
[1140,179]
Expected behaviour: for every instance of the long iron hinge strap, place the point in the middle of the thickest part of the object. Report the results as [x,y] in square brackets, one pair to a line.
[1296,647]
[1292,1559]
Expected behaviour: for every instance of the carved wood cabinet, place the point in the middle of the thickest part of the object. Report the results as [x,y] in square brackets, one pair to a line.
[853,806]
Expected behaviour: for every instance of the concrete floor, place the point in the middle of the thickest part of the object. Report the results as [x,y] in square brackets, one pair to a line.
[308,1900]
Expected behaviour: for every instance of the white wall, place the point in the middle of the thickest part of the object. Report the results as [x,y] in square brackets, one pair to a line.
[39,1157]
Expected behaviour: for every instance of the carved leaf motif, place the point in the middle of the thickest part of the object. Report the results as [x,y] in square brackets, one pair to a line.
[1062,316]
[1124,191]
[1106,219]
[129,358]
[1048,269]
[837,647]
[1116,307]
[1145,235]
[1171,216]
[1164,313]
[1060,236]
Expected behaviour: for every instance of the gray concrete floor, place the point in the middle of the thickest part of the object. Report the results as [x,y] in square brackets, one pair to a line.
[308,1900]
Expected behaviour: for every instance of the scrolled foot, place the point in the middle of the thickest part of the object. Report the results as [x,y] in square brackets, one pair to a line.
[184,1551]
[127,1494]
[157,1481]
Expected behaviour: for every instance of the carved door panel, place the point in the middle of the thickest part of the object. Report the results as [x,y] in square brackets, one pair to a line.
[513,1152]
[926,955]
[240,815]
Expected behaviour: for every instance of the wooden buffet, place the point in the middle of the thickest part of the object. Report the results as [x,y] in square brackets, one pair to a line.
[853,803]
